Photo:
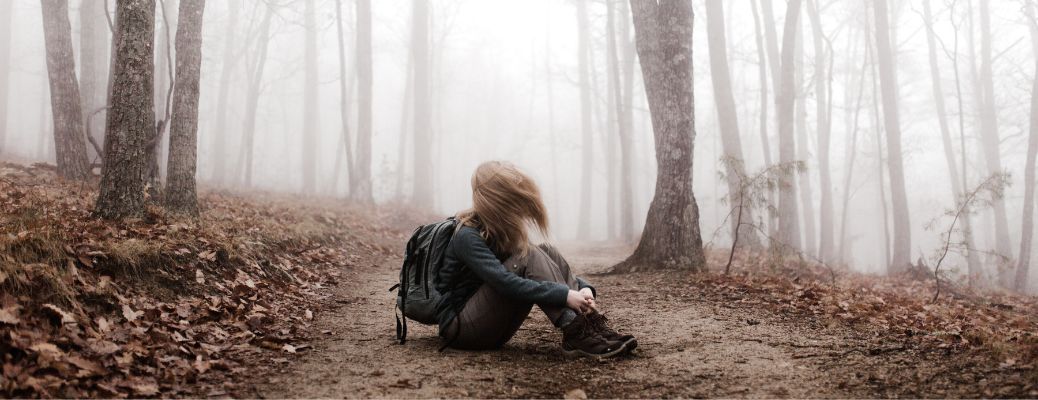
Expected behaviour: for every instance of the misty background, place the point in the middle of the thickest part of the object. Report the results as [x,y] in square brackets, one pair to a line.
[505,84]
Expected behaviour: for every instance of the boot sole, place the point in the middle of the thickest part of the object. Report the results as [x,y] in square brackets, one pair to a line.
[581,353]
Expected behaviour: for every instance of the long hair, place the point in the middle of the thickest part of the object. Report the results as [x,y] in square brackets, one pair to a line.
[504,201]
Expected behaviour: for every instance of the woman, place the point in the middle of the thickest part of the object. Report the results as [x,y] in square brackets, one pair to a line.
[491,276]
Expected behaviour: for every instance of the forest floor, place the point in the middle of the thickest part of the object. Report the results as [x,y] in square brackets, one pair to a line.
[268,295]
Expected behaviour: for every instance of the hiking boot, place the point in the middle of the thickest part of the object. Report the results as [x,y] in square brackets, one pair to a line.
[580,338]
[600,323]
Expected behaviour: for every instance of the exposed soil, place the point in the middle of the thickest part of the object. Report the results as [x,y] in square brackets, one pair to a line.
[694,342]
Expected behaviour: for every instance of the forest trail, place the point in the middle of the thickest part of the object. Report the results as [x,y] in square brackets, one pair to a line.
[692,344]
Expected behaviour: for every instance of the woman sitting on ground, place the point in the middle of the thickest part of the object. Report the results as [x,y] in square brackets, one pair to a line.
[492,276]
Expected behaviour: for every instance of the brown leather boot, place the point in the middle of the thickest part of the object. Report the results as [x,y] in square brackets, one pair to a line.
[580,338]
[601,324]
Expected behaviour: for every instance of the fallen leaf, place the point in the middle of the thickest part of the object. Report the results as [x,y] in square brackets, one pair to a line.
[288,348]
[9,315]
[65,317]
[575,394]
[129,314]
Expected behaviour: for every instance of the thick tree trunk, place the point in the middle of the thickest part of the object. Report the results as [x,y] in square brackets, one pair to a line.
[990,139]
[789,220]
[131,118]
[361,191]
[728,118]
[902,251]
[671,239]
[69,139]
[218,139]
[1023,264]
[423,146]
[94,57]
[311,124]
[823,89]
[586,153]
[6,13]
[183,140]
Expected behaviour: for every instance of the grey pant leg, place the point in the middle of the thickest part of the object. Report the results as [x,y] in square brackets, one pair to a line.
[488,321]
[540,265]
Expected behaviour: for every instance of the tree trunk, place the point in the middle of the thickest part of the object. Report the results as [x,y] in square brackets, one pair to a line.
[423,146]
[361,191]
[623,106]
[823,73]
[762,74]
[671,238]
[6,13]
[218,139]
[902,251]
[990,139]
[789,220]
[164,82]
[584,85]
[344,109]
[94,57]
[131,118]
[1027,224]
[69,139]
[728,118]
[942,119]
[311,124]
[254,75]
[851,152]
[183,138]
[807,211]
[406,116]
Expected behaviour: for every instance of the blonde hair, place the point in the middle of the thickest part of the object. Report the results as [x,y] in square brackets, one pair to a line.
[504,200]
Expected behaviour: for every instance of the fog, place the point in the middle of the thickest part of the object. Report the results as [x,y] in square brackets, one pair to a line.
[505,84]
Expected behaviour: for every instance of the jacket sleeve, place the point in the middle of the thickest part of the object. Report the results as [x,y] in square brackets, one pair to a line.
[470,248]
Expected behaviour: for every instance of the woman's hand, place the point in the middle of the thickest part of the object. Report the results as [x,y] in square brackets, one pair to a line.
[589,295]
[579,301]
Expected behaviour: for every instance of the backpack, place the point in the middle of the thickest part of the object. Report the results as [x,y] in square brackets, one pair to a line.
[417,296]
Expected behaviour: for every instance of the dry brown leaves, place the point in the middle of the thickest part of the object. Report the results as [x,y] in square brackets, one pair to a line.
[1000,324]
[162,306]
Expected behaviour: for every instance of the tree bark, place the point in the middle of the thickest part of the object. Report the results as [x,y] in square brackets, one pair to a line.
[131,118]
[663,35]
[789,220]
[824,122]
[94,57]
[6,13]
[902,251]
[218,139]
[181,196]
[728,118]
[423,146]
[361,191]
[1023,263]
[584,86]
[69,139]
[990,138]
[164,82]
[311,124]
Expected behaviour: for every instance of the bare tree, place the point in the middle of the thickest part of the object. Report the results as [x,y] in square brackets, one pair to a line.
[254,70]
[183,139]
[902,251]
[823,112]
[131,118]
[672,237]
[622,102]
[218,138]
[311,123]
[6,12]
[789,220]
[584,86]
[94,57]
[803,189]
[423,168]
[361,189]
[942,119]
[728,118]
[69,139]
[1027,224]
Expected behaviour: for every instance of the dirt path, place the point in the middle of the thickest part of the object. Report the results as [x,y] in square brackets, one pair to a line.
[691,345]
